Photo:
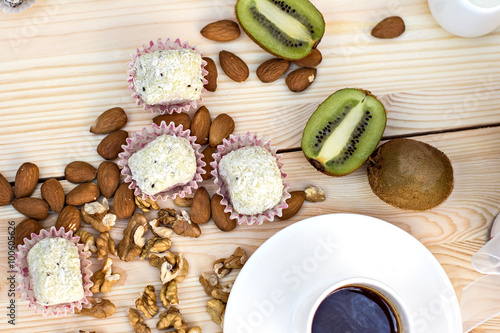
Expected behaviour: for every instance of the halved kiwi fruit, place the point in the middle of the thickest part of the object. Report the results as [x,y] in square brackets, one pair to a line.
[289,29]
[343,132]
[410,174]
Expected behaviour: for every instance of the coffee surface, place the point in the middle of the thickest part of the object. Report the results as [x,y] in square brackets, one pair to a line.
[355,309]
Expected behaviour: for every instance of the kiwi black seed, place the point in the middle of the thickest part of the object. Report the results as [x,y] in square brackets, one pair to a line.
[289,29]
[410,174]
[343,131]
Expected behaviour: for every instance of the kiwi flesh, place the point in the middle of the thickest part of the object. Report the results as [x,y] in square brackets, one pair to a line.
[410,174]
[343,131]
[289,29]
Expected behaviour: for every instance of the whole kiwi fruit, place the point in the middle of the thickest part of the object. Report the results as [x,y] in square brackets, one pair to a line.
[410,174]
[343,131]
[289,29]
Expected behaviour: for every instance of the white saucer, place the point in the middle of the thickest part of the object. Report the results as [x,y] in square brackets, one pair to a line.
[276,287]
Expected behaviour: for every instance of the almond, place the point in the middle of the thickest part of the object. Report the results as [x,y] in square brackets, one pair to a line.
[53,194]
[272,69]
[200,209]
[221,128]
[123,202]
[200,125]
[300,79]
[69,219]
[111,145]
[207,158]
[177,118]
[109,121]
[221,219]
[26,180]
[294,203]
[313,59]
[390,27]
[82,194]
[25,228]
[212,75]
[32,207]
[6,192]
[235,68]
[79,172]
[221,31]
[108,178]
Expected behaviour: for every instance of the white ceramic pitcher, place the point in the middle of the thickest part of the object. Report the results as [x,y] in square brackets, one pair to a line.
[467,18]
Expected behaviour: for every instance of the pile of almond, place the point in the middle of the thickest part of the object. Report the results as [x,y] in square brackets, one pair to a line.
[271,70]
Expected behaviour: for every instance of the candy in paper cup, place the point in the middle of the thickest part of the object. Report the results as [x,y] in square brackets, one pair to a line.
[234,143]
[140,140]
[163,46]
[24,281]
[15,6]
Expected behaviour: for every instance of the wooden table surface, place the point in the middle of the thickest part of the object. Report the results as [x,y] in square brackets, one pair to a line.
[64,62]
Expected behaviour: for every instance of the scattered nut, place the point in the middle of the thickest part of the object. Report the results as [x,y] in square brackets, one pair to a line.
[216,309]
[220,269]
[237,259]
[167,216]
[168,294]
[124,202]
[200,125]
[80,172]
[53,193]
[26,180]
[172,318]
[183,202]
[146,204]
[157,259]
[294,204]
[87,239]
[184,227]
[105,245]
[201,211]
[212,75]
[25,228]
[147,302]
[209,281]
[99,308]
[221,31]
[109,121]
[158,230]
[69,219]
[177,271]
[221,295]
[128,248]
[221,219]
[300,79]
[103,279]
[137,322]
[97,215]
[108,178]
[82,194]
[390,27]
[314,194]
[155,245]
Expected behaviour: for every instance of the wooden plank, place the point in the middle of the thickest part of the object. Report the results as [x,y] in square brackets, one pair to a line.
[452,232]
[65,62]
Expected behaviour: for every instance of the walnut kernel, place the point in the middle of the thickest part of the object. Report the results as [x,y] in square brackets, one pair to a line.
[314,194]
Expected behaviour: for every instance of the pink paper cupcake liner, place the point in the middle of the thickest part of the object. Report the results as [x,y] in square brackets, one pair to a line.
[164,45]
[14,10]
[24,281]
[140,139]
[240,141]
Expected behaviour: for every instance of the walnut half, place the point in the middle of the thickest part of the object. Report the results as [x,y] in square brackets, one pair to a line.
[137,322]
[178,271]
[147,302]
[98,308]
[97,215]
[133,241]
[103,279]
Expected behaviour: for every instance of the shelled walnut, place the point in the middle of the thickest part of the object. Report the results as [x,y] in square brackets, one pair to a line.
[155,245]
[157,259]
[97,215]
[158,230]
[146,205]
[172,318]
[167,216]
[147,302]
[237,259]
[133,238]
[137,322]
[87,239]
[105,245]
[183,202]
[183,226]
[216,309]
[104,279]
[168,294]
[220,269]
[209,281]
[97,308]
[177,271]
[314,194]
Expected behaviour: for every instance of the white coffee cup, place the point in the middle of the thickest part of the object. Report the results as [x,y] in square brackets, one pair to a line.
[466,18]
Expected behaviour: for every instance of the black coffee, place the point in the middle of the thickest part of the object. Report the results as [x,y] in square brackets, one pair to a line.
[355,309]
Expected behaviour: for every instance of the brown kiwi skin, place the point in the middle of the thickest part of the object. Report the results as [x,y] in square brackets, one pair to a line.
[262,47]
[407,197]
[318,166]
